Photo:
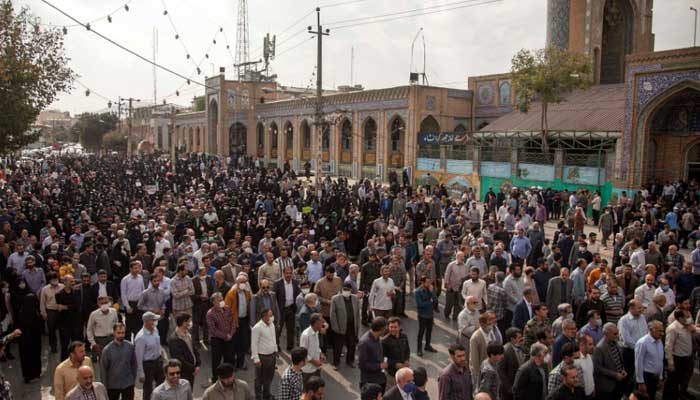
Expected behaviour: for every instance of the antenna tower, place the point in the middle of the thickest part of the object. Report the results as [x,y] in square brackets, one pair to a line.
[242,46]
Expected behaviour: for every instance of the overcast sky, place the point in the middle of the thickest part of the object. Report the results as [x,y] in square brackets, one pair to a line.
[475,40]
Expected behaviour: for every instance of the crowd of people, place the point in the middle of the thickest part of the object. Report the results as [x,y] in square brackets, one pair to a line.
[133,267]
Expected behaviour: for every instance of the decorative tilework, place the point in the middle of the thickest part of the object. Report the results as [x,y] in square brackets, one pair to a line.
[504,88]
[430,103]
[389,114]
[486,92]
[558,23]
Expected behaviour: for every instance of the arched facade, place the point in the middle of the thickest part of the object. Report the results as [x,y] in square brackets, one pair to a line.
[670,127]
[288,140]
[396,141]
[306,141]
[369,142]
[274,137]
[213,124]
[429,124]
[237,139]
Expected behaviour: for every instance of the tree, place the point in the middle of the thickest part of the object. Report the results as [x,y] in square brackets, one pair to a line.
[91,128]
[33,71]
[547,75]
[114,141]
[199,103]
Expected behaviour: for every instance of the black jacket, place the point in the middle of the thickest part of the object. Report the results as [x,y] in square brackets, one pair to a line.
[278,287]
[563,392]
[529,383]
[179,349]
[396,350]
[198,290]
[95,291]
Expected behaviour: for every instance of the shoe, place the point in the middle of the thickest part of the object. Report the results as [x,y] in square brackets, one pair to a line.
[420,353]
[430,349]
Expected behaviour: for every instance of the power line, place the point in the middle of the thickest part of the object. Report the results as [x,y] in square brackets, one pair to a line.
[108,17]
[125,48]
[342,24]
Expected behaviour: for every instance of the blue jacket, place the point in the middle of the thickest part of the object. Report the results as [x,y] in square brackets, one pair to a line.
[424,302]
[520,315]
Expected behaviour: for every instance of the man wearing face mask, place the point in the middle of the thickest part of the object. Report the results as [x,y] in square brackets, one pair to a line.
[202,288]
[679,355]
[593,302]
[221,323]
[594,327]
[101,324]
[345,323]
[118,361]
[182,348]
[228,386]
[264,299]
[405,387]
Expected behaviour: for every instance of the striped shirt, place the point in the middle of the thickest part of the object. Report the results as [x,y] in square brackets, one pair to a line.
[613,303]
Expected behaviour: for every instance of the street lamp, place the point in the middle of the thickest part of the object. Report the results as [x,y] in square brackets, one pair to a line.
[695,25]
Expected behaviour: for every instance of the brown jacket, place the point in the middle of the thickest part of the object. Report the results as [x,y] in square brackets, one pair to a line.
[231,300]
[629,292]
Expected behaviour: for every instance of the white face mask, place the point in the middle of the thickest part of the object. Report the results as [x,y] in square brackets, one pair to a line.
[104,307]
[222,304]
[346,293]
[272,319]
[305,290]
[22,285]
[189,325]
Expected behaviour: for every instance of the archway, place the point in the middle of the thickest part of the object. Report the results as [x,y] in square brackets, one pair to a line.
[213,113]
[289,140]
[260,140]
[429,124]
[305,140]
[369,142]
[237,139]
[669,127]
[396,137]
[273,140]
[618,36]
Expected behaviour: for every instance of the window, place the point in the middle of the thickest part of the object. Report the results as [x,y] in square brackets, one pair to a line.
[273,136]
[370,137]
[261,136]
[306,134]
[346,136]
[289,136]
[397,130]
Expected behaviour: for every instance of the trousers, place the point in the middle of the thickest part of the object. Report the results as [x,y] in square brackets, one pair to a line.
[263,376]
[152,371]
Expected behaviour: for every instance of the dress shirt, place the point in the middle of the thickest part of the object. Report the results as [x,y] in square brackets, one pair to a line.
[468,319]
[594,331]
[476,289]
[182,391]
[96,392]
[131,288]
[579,289]
[152,299]
[454,274]
[670,296]
[182,291]
[679,342]
[291,385]
[101,324]
[520,247]
[637,261]
[118,361]
[288,293]
[648,357]
[47,298]
[101,289]
[263,340]
[479,263]
[315,270]
[379,294]
[65,377]
[309,341]
[644,294]
[586,365]
[35,278]
[147,345]
[220,322]
[16,261]
[632,329]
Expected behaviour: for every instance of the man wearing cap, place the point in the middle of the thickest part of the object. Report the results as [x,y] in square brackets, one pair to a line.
[345,323]
[149,363]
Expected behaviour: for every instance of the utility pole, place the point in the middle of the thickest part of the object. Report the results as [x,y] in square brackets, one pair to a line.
[695,26]
[129,124]
[319,92]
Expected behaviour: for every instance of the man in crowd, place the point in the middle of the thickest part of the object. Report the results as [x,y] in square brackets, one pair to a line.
[345,324]
[118,362]
[264,352]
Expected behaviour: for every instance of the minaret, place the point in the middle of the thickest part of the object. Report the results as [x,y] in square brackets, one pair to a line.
[558,23]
